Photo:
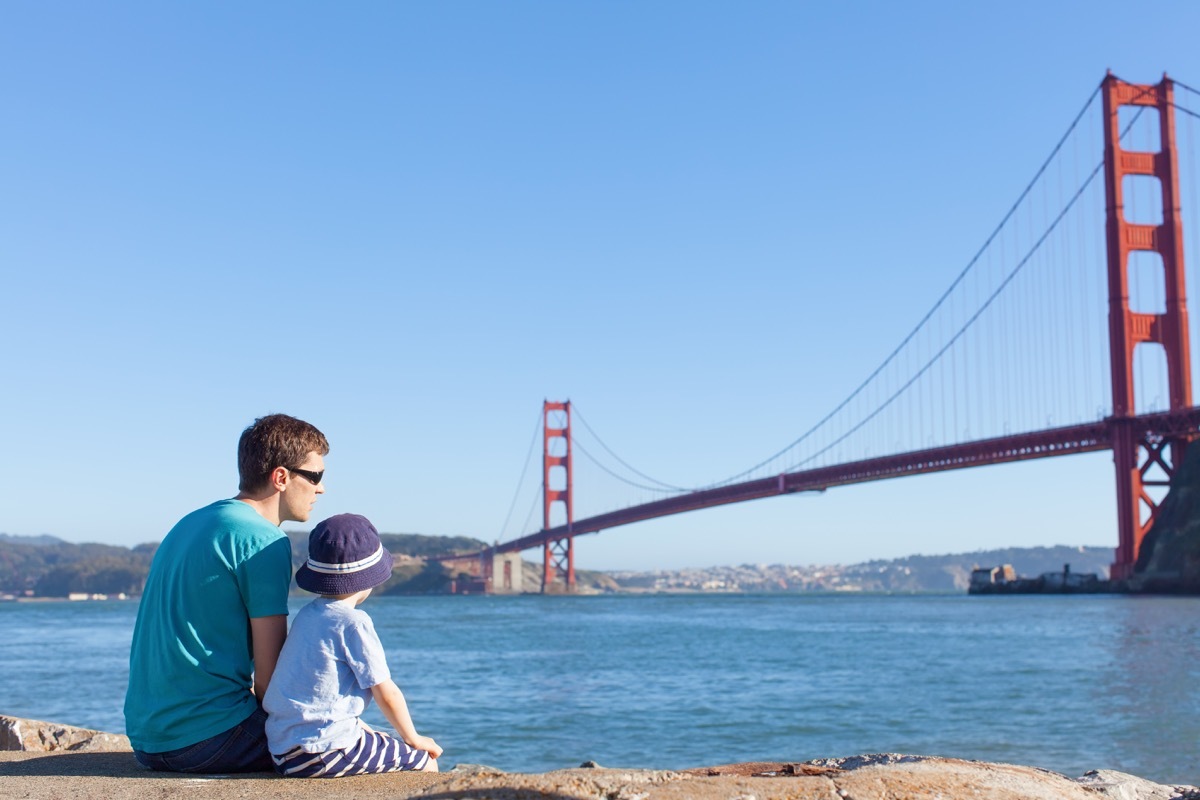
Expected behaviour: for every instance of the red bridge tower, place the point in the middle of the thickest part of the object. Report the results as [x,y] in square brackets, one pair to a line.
[558,555]
[1135,455]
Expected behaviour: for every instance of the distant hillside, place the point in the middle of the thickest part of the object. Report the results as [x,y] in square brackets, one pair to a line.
[946,572]
[43,566]
[911,574]
[57,568]
[33,540]
[48,567]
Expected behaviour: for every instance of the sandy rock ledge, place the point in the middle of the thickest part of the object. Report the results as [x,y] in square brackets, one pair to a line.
[57,761]
[31,735]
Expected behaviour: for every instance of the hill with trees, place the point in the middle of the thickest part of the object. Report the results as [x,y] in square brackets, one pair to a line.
[45,566]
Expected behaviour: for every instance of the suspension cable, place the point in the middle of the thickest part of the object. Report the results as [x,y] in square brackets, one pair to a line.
[621,478]
[1187,111]
[1007,280]
[1183,85]
[623,463]
[529,516]
[936,305]
[521,480]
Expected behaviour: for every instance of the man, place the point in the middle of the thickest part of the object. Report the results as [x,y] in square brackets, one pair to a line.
[213,615]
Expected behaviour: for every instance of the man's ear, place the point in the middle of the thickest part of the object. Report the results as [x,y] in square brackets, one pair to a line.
[279,479]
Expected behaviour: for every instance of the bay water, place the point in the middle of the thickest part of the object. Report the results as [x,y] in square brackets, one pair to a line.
[531,683]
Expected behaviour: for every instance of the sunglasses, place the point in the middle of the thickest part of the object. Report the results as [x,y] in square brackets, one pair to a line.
[315,477]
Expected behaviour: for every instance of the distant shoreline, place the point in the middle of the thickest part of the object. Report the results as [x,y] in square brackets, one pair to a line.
[106,599]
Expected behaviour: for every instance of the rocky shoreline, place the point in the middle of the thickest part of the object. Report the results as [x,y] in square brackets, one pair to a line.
[49,760]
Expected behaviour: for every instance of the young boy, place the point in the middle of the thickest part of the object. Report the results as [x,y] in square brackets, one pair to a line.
[332,664]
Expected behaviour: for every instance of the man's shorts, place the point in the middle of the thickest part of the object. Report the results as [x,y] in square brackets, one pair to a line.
[374,752]
[242,748]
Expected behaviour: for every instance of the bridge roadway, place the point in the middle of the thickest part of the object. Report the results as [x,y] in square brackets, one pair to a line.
[1085,438]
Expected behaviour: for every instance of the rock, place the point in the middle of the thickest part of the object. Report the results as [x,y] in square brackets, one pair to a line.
[474,769]
[1121,786]
[33,735]
[766,769]
[116,776]
[887,775]
[1169,560]
[867,760]
[893,775]
[91,765]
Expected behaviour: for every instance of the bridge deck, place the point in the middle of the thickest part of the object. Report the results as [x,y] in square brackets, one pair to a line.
[1085,438]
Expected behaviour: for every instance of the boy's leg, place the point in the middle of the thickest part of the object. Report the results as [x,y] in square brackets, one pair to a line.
[242,748]
[378,752]
[373,753]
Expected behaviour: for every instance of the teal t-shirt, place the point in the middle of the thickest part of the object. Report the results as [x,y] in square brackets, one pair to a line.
[190,663]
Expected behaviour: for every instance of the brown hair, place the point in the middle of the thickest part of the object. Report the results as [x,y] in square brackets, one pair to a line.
[275,440]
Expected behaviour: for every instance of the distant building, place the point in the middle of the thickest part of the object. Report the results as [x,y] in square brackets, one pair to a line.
[989,576]
[1002,580]
[1069,580]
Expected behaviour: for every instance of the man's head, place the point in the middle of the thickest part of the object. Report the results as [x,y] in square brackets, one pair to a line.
[277,449]
[275,440]
[285,454]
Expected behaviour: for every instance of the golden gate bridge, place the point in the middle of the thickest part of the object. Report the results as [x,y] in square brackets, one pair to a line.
[1014,361]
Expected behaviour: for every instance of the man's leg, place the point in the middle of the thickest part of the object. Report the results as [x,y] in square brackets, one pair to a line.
[242,748]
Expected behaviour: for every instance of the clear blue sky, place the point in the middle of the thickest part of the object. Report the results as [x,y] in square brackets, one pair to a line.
[409,223]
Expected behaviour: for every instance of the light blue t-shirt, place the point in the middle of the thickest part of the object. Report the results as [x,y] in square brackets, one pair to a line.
[322,682]
[191,663]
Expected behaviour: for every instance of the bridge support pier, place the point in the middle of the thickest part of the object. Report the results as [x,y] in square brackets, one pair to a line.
[1136,508]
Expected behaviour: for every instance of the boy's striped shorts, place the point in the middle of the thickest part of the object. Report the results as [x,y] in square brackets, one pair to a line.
[374,752]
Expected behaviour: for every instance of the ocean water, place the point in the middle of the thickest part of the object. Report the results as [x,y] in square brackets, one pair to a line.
[673,681]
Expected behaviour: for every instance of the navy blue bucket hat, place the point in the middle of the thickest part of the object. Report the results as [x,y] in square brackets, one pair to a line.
[344,556]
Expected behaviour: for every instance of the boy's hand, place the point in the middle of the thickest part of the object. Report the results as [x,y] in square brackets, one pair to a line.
[426,744]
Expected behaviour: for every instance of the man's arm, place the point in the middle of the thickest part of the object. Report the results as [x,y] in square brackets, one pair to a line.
[391,703]
[266,635]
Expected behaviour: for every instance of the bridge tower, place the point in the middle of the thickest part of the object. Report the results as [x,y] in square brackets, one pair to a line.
[1136,455]
[558,555]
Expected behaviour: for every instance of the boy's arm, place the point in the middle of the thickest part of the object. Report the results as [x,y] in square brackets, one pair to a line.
[266,637]
[391,702]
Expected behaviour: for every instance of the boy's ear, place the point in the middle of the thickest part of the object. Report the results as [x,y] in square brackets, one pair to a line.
[279,478]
